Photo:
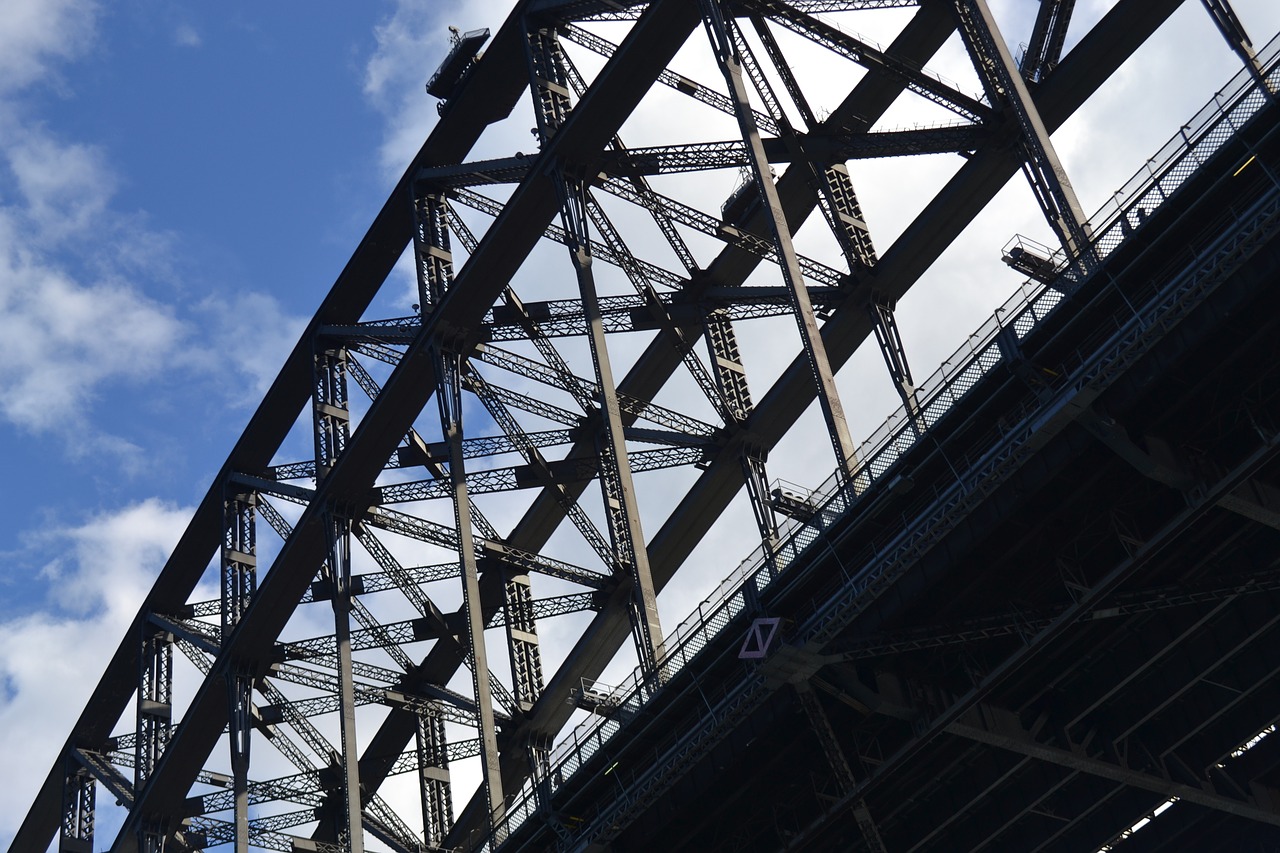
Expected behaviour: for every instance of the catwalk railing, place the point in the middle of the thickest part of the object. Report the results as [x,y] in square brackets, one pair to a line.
[1119,218]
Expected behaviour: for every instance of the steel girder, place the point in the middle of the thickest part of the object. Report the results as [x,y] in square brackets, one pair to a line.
[714,489]
[1124,29]
[345,303]
[1080,73]
[1217,267]
[256,609]
[648,48]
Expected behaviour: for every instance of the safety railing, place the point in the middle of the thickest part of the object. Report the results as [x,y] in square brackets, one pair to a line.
[1159,178]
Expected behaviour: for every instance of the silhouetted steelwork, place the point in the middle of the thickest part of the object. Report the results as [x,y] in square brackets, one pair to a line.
[936,609]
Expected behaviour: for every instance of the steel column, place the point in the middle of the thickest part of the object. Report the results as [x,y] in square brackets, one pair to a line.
[522,639]
[885,325]
[731,376]
[78,796]
[1237,39]
[239,557]
[239,580]
[449,397]
[155,700]
[814,349]
[549,83]
[348,823]
[332,426]
[1047,38]
[154,720]
[615,469]
[331,417]
[1006,88]
[433,777]
[435,277]
[239,729]
[431,248]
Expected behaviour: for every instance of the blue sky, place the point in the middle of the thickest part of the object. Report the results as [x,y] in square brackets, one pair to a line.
[181,173]
[178,189]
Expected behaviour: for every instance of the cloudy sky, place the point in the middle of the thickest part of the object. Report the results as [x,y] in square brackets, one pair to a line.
[179,188]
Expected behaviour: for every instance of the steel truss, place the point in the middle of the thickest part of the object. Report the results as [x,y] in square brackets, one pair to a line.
[359,518]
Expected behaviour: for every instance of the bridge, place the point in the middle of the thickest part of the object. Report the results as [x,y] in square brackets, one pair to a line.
[1036,610]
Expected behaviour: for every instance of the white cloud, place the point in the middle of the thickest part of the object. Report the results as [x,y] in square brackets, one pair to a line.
[65,187]
[392,81]
[50,661]
[81,318]
[255,334]
[63,331]
[66,332]
[36,34]
[106,565]
[410,43]
[62,338]
[187,36]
